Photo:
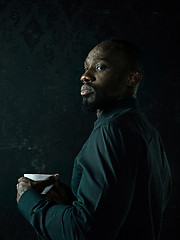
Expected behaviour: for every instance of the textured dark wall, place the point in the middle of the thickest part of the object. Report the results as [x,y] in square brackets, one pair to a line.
[42,48]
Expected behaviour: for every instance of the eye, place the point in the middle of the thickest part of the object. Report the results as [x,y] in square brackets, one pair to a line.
[101,67]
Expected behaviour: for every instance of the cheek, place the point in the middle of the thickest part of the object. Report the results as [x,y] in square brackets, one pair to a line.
[116,88]
[104,92]
[107,84]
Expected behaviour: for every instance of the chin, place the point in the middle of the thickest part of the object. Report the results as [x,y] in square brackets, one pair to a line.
[89,106]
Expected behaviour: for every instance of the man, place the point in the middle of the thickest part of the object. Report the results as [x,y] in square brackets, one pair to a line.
[121,179]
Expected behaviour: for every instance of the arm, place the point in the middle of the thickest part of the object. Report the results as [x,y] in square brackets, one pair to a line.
[103,196]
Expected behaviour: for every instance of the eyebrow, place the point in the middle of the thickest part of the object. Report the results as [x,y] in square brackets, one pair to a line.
[102,59]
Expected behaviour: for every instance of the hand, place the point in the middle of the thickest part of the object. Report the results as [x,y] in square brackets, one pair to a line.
[25,183]
[61,194]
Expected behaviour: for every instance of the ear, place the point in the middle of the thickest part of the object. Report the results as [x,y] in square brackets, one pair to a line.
[134,78]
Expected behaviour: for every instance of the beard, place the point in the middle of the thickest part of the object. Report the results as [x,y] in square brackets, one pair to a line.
[89,102]
[89,106]
[92,102]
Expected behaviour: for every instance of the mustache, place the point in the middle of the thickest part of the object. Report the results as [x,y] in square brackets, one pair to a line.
[87,86]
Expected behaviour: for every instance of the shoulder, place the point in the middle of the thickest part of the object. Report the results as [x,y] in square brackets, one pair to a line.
[116,128]
[131,125]
[128,120]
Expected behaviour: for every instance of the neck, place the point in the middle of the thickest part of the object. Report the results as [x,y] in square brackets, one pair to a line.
[100,110]
[98,113]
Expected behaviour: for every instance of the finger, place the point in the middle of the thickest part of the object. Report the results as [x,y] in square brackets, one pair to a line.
[22,184]
[56,176]
[17,197]
[23,179]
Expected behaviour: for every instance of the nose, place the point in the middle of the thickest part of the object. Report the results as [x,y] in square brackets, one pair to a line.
[87,77]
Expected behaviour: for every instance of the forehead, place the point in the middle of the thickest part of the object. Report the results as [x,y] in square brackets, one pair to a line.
[107,51]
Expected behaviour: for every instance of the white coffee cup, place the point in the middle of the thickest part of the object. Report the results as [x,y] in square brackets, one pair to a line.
[39,177]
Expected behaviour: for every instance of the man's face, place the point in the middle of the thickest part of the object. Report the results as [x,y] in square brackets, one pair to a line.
[105,77]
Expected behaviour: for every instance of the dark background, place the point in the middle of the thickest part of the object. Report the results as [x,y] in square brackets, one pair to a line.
[42,48]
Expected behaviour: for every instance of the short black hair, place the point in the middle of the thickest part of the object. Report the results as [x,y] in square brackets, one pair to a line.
[132,53]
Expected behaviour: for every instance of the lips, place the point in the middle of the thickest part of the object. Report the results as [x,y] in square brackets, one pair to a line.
[86,92]
[86,89]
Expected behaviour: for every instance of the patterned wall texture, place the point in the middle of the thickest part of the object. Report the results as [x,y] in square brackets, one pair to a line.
[42,48]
